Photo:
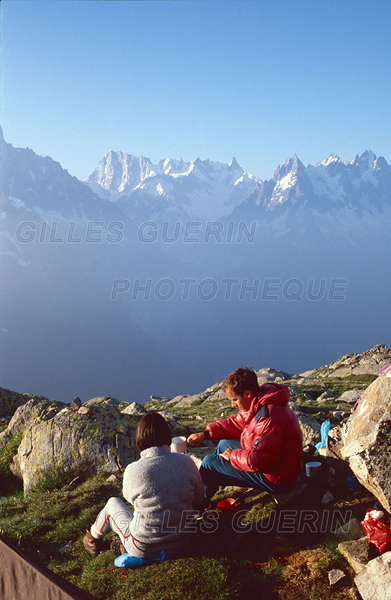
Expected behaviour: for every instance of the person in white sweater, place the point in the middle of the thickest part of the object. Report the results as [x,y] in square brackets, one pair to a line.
[165,490]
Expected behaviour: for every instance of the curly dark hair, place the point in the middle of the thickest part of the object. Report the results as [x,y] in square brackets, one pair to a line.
[241,380]
[152,430]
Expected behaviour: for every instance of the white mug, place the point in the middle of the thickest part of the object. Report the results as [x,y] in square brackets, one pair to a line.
[179,444]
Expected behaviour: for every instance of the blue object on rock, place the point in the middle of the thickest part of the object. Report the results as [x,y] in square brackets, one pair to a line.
[353,483]
[324,431]
[131,562]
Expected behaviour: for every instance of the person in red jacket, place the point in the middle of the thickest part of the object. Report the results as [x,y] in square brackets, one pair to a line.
[261,446]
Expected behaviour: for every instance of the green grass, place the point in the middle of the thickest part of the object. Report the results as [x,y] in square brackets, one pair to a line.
[274,569]
[9,483]
[43,521]
[8,452]
[339,385]
[192,578]
[49,524]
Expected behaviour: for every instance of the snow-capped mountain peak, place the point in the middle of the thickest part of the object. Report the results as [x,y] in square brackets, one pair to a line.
[289,180]
[361,185]
[367,159]
[332,159]
[119,171]
[204,189]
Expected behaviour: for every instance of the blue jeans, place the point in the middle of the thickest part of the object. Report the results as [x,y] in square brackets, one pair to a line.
[216,471]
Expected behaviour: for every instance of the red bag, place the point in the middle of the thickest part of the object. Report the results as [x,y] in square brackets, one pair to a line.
[378,532]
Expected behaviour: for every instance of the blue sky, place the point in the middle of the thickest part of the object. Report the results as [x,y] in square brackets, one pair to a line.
[258,80]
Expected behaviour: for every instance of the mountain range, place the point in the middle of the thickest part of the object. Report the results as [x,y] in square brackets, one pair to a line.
[199,189]
[212,190]
[147,277]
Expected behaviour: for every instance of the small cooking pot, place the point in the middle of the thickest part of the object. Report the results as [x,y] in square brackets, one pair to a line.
[312,469]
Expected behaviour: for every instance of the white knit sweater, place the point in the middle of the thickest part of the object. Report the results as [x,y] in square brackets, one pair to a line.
[164,489]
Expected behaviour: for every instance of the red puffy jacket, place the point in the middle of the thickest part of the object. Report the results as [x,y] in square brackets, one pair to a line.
[270,436]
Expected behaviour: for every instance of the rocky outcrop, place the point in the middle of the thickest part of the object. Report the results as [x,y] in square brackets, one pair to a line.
[364,440]
[68,440]
[10,401]
[367,363]
[99,435]
[58,441]
[35,410]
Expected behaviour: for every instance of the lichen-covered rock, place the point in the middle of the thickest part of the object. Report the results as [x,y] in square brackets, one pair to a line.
[10,401]
[70,443]
[309,426]
[364,440]
[134,408]
[35,410]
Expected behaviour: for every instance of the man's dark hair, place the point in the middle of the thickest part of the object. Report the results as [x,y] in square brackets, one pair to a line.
[152,430]
[241,380]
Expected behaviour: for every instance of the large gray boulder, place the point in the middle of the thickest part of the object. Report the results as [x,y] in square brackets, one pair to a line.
[365,439]
[59,442]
